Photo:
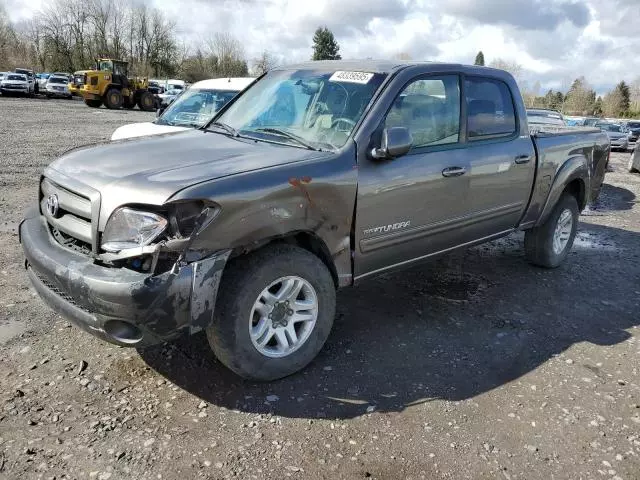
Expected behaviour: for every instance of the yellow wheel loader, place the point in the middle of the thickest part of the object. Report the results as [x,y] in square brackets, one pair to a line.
[109,84]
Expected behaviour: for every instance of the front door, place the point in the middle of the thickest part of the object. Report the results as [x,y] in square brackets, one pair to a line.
[413,206]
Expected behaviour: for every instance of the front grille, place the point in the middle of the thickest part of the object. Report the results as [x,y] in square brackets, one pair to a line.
[94,81]
[71,222]
[65,296]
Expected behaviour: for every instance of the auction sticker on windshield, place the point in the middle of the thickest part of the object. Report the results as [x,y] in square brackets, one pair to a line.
[352,77]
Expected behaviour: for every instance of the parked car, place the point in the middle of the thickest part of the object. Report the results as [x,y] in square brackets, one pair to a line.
[193,109]
[41,79]
[31,78]
[540,116]
[617,135]
[2,75]
[591,121]
[155,87]
[317,176]
[166,98]
[633,128]
[15,83]
[58,86]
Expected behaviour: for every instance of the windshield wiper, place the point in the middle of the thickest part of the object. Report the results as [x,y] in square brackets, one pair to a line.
[290,136]
[227,128]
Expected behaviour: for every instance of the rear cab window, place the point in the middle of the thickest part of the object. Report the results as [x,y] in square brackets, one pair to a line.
[490,109]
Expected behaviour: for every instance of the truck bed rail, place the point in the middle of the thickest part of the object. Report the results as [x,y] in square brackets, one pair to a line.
[539,131]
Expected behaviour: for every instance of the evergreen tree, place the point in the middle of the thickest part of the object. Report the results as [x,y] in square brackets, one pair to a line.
[325,46]
[625,93]
[479,59]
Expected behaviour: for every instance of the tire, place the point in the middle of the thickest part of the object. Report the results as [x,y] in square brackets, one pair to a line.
[539,241]
[93,103]
[146,102]
[243,282]
[113,99]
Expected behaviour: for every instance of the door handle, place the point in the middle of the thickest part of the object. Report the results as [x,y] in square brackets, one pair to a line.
[520,159]
[453,171]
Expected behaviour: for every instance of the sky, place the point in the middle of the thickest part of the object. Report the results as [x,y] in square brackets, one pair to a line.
[555,41]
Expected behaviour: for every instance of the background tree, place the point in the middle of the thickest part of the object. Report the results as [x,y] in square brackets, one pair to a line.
[514,68]
[325,46]
[597,108]
[616,102]
[402,56]
[479,59]
[264,63]
[580,99]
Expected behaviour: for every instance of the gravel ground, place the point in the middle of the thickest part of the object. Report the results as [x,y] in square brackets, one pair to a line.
[479,366]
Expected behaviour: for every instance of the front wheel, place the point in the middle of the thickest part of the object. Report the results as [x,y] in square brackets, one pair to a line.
[113,99]
[549,244]
[274,312]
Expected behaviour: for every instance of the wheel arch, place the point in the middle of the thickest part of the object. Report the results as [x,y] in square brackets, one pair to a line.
[304,239]
[574,177]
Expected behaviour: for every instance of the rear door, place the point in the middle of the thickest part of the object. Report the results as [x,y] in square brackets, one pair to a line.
[501,155]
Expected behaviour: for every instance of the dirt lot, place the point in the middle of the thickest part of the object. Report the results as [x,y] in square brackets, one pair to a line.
[480,366]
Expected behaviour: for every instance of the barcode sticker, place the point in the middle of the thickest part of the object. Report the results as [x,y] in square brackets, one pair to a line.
[351,77]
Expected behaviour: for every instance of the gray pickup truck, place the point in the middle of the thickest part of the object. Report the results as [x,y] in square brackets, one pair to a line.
[318,176]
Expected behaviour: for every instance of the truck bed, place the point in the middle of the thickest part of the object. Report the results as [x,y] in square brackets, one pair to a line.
[554,145]
[541,131]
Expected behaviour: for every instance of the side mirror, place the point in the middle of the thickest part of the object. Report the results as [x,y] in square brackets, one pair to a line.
[160,110]
[396,141]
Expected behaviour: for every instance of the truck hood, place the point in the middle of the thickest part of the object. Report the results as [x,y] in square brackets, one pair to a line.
[152,169]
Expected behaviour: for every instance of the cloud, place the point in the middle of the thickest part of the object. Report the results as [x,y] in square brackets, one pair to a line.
[554,40]
[526,14]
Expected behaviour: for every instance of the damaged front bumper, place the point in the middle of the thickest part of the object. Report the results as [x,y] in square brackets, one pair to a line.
[119,305]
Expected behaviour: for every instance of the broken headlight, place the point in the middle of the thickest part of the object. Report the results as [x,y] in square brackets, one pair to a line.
[128,228]
[185,217]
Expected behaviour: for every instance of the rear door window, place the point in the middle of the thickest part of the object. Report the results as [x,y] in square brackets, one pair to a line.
[490,109]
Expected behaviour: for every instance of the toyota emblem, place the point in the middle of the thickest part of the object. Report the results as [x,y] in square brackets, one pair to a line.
[52,205]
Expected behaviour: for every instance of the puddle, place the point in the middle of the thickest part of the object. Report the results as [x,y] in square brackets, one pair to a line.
[11,329]
[592,241]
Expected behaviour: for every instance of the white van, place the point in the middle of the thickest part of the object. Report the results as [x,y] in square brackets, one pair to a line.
[193,108]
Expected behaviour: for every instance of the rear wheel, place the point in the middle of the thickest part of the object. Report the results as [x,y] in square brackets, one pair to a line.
[146,102]
[274,312]
[93,103]
[549,244]
[113,99]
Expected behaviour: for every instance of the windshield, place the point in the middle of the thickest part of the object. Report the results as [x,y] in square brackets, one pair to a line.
[17,77]
[58,80]
[316,107]
[195,107]
[633,125]
[610,127]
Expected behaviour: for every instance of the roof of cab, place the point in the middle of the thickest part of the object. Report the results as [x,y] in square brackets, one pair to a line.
[233,83]
[386,66]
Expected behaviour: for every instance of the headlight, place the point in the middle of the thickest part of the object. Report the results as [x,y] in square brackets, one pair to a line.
[129,228]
